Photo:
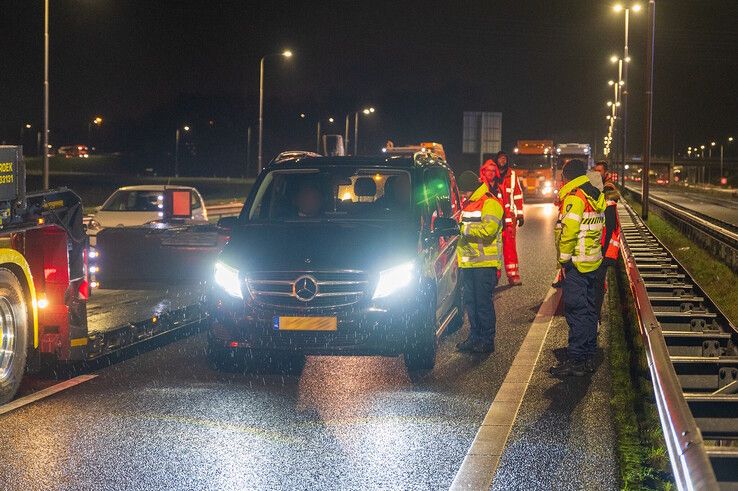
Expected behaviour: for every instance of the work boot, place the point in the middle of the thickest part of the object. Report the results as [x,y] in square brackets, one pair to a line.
[483,347]
[467,345]
[568,368]
[515,282]
[556,284]
[590,364]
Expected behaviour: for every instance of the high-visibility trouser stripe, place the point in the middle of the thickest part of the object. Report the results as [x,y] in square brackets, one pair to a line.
[572,216]
[511,266]
[518,196]
[519,212]
[508,220]
[614,243]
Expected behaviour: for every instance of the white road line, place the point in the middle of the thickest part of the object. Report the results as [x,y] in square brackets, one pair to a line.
[23,401]
[480,464]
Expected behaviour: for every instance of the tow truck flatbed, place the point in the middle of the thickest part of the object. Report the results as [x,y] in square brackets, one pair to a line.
[119,318]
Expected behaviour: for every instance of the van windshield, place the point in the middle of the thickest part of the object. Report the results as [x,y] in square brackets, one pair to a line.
[341,193]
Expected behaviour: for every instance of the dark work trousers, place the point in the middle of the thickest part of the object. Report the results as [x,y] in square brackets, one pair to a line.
[580,291]
[479,289]
[600,289]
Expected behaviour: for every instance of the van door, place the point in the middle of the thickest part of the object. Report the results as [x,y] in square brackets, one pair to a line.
[440,199]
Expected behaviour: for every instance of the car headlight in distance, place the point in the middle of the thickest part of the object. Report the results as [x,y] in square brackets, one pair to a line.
[394,279]
[227,278]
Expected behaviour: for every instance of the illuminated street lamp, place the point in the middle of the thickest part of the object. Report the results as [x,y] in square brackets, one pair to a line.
[97,121]
[286,54]
[635,7]
[366,111]
[23,128]
[176,149]
[318,133]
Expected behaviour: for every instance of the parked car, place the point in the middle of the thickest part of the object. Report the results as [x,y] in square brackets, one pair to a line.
[340,255]
[136,205]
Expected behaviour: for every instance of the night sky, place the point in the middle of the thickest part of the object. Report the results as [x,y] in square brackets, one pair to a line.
[543,64]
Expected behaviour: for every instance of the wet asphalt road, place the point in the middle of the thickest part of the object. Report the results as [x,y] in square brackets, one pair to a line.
[724,209]
[165,420]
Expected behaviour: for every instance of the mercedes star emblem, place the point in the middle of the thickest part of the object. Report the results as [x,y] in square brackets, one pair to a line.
[305,288]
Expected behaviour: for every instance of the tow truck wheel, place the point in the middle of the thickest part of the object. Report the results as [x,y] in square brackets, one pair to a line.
[420,348]
[13,334]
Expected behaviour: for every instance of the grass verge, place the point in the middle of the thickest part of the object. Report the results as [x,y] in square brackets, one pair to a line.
[640,447]
[715,278]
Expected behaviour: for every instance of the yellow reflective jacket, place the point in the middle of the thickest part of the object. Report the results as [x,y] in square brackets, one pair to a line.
[580,224]
[480,243]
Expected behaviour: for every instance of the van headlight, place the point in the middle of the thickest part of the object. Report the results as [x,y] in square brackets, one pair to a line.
[227,278]
[395,279]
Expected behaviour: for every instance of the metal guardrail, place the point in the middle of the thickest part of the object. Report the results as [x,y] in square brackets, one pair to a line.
[692,355]
[224,210]
[719,237]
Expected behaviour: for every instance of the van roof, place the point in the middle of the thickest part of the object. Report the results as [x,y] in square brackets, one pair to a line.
[383,161]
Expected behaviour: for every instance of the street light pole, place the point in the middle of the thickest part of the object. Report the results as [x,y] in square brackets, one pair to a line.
[317,138]
[176,149]
[356,133]
[648,130]
[46,96]
[248,151]
[624,98]
[260,152]
[176,153]
[346,134]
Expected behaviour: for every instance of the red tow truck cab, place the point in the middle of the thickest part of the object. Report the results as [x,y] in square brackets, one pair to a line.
[54,249]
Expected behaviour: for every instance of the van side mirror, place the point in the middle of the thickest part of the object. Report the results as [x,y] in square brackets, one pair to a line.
[445,227]
[227,223]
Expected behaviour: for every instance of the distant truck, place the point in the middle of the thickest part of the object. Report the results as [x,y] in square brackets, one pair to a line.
[533,166]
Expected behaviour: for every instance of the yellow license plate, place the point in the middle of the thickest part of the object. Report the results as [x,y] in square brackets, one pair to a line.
[306,323]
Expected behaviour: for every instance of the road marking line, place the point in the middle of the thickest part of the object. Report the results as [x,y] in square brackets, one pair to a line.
[48,391]
[480,464]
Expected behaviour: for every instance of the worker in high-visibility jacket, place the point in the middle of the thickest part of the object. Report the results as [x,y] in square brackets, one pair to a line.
[578,242]
[511,195]
[480,257]
[611,232]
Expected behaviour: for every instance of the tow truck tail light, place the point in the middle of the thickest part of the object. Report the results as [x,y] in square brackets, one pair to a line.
[83,292]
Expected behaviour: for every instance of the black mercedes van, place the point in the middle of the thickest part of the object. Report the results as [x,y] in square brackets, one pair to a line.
[340,255]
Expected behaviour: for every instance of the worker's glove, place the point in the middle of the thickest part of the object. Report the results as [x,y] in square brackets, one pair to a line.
[521,221]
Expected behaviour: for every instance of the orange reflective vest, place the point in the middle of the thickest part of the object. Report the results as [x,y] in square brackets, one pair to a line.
[611,250]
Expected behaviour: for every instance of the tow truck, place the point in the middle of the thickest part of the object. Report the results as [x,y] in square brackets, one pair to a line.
[46,313]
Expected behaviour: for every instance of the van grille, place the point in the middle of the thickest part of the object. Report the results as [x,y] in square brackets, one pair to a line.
[308,289]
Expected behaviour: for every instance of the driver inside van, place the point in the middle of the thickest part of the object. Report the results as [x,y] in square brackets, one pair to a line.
[308,200]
